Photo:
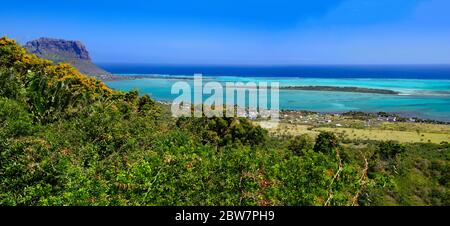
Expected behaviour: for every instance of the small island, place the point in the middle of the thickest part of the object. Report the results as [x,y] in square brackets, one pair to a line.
[340,89]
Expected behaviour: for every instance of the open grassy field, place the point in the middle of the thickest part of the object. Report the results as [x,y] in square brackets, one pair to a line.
[377,134]
[287,129]
[415,127]
[406,133]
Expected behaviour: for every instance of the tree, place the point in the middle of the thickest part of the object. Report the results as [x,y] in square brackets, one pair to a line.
[299,145]
[222,131]
[326,142]
[390,149]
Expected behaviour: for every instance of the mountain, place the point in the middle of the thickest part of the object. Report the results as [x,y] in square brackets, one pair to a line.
[72,52]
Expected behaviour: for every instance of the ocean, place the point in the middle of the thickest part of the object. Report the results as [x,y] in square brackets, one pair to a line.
[331,71]
[424,91]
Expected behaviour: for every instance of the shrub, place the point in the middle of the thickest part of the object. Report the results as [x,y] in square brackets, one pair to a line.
[390,149]
[222,131]
[326,142]
[14,119]
[301,144]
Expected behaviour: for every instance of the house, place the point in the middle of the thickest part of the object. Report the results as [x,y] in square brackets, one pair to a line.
[252,115]
[391,119]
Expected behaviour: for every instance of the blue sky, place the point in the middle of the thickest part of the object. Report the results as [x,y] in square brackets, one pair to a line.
[248,32]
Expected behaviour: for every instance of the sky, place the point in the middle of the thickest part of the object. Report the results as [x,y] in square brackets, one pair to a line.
[241,32]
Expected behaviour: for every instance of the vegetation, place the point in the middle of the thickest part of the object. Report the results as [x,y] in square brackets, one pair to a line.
[386,135]
[67,139]
[301,144]
[402,132]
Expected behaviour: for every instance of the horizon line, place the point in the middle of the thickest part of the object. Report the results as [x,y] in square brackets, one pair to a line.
[271,65]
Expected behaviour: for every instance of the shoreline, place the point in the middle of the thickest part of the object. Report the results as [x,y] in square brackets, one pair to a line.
[387,116]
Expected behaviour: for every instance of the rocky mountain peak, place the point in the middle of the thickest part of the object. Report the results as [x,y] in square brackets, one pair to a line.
[72,52]
[64,48]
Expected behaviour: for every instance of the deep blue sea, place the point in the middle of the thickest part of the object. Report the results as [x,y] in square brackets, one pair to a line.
[424,90]
[331,71]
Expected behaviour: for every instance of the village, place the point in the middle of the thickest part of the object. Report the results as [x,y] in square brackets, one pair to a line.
[358,126]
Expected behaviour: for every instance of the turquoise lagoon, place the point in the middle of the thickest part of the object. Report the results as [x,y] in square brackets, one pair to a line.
[421,98]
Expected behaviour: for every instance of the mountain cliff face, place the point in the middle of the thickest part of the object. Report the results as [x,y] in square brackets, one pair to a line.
[72,52]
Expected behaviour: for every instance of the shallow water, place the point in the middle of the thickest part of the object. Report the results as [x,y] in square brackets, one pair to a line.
[418,97]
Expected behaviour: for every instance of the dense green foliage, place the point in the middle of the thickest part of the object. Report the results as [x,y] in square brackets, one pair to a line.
[224,131]
[66,139]
[301,144]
